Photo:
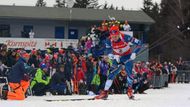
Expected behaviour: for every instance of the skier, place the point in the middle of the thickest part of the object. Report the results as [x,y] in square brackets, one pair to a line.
[123,56]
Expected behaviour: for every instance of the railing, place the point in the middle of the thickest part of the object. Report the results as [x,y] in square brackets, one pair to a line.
[183,76]
[159,81]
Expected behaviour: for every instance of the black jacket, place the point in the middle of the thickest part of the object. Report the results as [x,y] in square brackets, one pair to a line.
[58,78]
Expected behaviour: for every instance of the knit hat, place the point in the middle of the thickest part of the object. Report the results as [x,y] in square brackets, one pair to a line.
[114,30]
[26,55]
[43,65]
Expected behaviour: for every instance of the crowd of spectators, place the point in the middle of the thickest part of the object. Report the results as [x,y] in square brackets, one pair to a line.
[83,70]
[68,72]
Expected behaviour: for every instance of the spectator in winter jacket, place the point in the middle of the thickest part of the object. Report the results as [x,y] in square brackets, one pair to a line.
[58,82]
[3,57]
[18,79]
[80,75]
[103,72]
[11,60]
[60,58]
[96,78]
[83,63]
[3,69]
[140,83]
[40,83]
[88,45]
[68,60]
[33,59]
[173,73]
[89,74]
[81,81]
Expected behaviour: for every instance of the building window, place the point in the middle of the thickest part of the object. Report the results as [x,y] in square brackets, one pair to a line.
[73,34]
[59,32]
[26,31]
[4,30]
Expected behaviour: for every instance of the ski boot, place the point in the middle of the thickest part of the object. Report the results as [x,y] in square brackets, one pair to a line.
[130,93]
[3,93]
[103,95]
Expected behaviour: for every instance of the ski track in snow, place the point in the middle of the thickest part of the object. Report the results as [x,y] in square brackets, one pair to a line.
[176,95]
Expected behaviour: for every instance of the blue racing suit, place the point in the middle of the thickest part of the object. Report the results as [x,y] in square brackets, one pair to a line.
[122,49]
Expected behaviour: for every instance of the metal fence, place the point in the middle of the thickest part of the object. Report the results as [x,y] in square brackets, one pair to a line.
[183,76]
[159,81]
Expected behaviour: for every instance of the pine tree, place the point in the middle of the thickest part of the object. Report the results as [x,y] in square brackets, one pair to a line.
[41,3]
[172,13]
[155,11]
[116,8]
[105,6]
[81,4]
[152,10]
[147,6]
[60,3]
[111,7]
[86,4]
[122,8]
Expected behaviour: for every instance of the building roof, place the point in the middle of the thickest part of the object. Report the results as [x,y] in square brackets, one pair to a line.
[53,13]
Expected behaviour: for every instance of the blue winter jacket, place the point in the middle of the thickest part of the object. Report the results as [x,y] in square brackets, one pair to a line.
[17,71]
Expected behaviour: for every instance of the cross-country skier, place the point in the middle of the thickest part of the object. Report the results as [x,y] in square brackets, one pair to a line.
[123,55]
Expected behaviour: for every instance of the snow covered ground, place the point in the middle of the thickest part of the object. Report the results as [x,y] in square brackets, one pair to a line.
[176,95]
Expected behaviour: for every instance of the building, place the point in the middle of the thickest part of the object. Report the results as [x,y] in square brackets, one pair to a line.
[68,23]
[55,24]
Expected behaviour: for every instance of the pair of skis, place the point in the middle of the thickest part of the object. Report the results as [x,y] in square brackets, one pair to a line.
[77,99]
[82,99]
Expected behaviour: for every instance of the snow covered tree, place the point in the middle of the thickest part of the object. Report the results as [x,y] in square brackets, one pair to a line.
[41,3]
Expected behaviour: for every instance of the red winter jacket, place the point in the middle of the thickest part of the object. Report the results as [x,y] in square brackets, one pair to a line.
[80,75]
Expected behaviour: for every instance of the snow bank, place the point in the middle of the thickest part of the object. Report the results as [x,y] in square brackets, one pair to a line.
[176,95]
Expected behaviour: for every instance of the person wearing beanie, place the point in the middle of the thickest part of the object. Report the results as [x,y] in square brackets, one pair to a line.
[58,82]
[40,83]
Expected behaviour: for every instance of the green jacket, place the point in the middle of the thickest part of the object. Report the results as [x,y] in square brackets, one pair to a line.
[40,77]
[96,80]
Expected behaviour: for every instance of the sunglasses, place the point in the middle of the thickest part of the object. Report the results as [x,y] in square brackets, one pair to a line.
[114,32]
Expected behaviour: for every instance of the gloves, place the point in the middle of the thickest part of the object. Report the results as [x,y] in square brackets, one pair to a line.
[111,56]
[133,56]
[117,58]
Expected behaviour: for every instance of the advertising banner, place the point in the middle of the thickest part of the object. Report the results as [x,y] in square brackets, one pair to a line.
[30,43]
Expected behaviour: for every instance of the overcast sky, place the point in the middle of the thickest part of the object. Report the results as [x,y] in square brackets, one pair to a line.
[128,4]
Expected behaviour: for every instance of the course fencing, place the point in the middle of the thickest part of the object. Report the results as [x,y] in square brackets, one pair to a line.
[183,76]
[159,81]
